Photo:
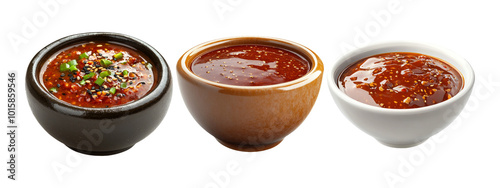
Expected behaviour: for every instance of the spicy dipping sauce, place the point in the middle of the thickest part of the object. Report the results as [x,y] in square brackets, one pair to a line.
[400,80]
[250,65]
[98,75]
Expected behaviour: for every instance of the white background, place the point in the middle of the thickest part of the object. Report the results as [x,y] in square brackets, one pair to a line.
[325,151]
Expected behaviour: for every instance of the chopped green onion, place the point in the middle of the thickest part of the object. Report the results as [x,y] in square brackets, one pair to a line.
[104,74]
[82,82]
[64,67]
[123,85]
[88,76]
[72,63]
[84,56]
[125,72]
[53,90]
[123,62]
[149,66]
[112,90]
[105,62]
[99,81]
[73,68]
[118,55]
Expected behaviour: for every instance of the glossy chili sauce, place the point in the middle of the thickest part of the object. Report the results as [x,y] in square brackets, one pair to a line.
[250,65]
[98,75]
[400,80]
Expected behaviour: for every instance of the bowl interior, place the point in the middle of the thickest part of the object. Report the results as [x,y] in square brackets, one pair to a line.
[160,70]
[189,57]
[449,57]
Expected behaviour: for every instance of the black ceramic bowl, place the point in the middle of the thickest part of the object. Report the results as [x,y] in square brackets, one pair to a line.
[99,131]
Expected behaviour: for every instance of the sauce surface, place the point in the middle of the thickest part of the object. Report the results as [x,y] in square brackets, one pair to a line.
[400,80]
[98,75]
[250,65]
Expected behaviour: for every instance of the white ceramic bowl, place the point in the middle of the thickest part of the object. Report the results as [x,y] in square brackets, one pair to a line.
[401,127]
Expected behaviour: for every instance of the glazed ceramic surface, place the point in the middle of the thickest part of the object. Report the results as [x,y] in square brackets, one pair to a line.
[99,131]
[401,127]
[249,118]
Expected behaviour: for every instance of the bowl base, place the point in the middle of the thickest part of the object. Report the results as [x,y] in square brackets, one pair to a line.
[100,153]
[402,145]
[249,148]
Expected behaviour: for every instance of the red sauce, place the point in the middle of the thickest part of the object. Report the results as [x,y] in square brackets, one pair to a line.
[400,80]
[250,65]
[98,75]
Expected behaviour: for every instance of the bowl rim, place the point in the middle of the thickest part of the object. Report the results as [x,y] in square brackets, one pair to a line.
[468,82]
[164,75]
[311,57]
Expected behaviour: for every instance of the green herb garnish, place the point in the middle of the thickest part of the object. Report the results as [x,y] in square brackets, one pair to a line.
[84,56]
[88,76]
[73,68]
[73,63]
[99,81]
[105,62]
[53,90]
[104,74]
[123,85]
[64,67]
[118,56]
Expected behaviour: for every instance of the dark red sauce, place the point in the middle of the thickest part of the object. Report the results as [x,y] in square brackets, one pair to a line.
[400,80]
[250,65]
[98,75]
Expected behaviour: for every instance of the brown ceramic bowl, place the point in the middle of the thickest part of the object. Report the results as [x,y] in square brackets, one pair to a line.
[99,131]
[249,118]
